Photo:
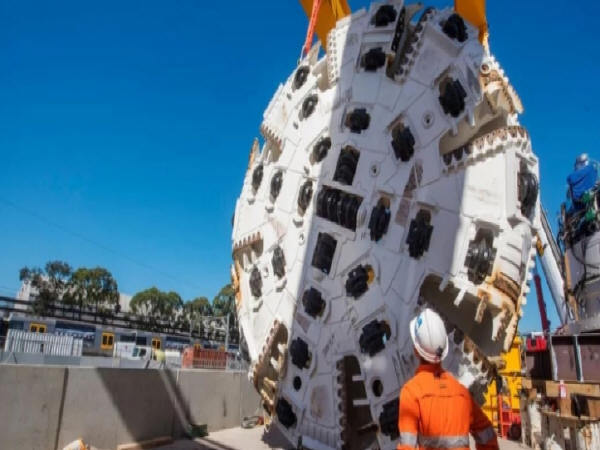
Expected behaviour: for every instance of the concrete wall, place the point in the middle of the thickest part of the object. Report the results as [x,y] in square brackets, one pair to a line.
[38,358]
[226,402]
[83,361]
[30,399]
[45,407]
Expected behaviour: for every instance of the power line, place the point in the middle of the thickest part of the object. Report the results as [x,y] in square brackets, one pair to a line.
[8,289]
[96,243]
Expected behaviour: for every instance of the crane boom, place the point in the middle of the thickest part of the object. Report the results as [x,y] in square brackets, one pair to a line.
[540,298]
[551,267]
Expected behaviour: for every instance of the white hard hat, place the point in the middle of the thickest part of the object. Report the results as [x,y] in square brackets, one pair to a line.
[429,336]
[581,161]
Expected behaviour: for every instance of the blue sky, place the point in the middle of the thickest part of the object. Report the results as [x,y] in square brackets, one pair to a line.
[125,126]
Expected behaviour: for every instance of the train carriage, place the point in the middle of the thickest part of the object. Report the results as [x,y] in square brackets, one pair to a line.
[99,339]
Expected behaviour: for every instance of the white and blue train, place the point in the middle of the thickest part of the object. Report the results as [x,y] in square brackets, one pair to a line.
[100,339]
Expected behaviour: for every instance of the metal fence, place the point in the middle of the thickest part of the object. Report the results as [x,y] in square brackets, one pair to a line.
[44,343]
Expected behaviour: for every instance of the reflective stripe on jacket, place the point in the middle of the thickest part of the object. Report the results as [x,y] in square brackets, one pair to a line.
[437,412]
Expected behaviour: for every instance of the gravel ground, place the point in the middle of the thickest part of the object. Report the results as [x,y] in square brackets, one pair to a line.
[258,439]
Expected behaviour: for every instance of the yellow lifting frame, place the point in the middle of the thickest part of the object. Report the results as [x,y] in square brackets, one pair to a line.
[329,13]
[474,12]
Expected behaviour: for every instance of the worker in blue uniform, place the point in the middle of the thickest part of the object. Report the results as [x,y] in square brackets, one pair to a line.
[581,180]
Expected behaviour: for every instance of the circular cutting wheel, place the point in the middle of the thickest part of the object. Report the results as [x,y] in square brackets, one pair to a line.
[425,137]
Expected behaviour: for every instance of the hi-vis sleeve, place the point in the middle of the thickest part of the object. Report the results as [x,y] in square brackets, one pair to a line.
[482,430]
[408,420]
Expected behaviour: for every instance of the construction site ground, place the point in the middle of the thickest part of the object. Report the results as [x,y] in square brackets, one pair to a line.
[258,439]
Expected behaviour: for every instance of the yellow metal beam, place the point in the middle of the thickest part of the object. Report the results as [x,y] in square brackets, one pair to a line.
[330,12]
[474,12]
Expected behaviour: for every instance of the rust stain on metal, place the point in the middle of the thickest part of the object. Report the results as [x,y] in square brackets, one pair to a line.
[507,285]
[235,283]
[484,299]
[247,241]
[492,81]
[271,365]
[254,150]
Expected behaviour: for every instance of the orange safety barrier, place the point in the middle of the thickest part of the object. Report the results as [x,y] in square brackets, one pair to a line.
[204,358]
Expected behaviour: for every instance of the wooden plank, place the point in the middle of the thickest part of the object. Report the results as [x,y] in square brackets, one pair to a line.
[538,385]
[564,404]
[591,390]
[570,419]
[550,387]
[593,406]
[143,445]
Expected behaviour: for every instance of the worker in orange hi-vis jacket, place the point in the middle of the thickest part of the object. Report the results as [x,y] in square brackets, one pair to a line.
[436,411]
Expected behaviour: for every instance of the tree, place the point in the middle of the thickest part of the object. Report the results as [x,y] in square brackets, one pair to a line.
[224,305]
[158,308]
[77,293]
[201,306]
[194,310]
[224,302]
[172,306]
[93,288]
[144,302]
[51,284]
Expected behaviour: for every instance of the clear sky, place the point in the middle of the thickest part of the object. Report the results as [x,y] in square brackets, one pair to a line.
[125,126]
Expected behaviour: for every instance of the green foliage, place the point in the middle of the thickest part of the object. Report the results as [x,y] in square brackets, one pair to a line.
[224,305]
[200,306]
[51,284]
[193,313]
[161,310]
[157,308]
[96,289]
[92,288]
[224,302]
